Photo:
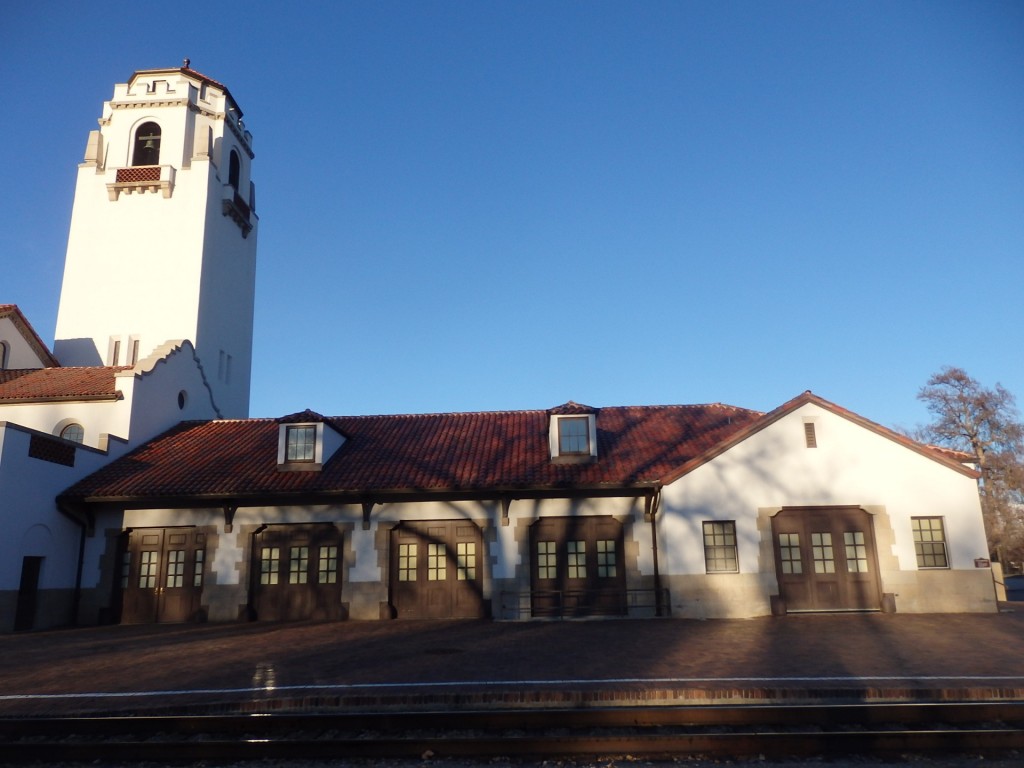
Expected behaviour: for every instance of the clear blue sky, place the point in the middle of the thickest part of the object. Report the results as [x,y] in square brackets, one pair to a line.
[502,205]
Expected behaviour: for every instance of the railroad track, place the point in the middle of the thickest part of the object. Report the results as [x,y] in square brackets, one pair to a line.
[982,728]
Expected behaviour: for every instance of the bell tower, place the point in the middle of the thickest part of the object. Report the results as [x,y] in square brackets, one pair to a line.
[163,233]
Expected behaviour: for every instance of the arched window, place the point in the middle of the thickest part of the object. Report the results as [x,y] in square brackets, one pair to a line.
[234,169]
[73,432]
[146,150]
[4,354]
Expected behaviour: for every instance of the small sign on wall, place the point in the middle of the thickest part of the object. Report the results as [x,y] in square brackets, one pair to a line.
[982,562]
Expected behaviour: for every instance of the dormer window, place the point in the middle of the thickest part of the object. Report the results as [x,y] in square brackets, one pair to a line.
[306,446]
[300,442]
[573,438]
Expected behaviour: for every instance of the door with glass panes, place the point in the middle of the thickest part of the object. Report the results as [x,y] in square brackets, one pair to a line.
[825,559]
[577,567]
[296,574]
[436,570]
[162,571]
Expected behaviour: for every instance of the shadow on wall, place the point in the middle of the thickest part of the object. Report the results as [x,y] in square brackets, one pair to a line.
[80,351]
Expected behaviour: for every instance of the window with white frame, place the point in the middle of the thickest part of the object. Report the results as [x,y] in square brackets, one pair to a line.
[720,552]
[573,438]
[929,542]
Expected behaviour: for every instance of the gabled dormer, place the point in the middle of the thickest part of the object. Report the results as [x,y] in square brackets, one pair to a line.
[572,433]
[305,442]
[20,345]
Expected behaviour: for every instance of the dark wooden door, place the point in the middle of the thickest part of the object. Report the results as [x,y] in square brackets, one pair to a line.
[436,570]
[28,593]
[825,559]
[577,567]
[296,573]
[162,575]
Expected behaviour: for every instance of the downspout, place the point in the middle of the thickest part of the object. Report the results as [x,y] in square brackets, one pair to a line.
[83,525]
[653,502]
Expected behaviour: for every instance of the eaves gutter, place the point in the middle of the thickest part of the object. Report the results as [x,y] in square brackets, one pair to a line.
[62,399]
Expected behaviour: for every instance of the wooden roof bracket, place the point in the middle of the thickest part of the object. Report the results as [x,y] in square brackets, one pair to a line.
[506,503]
[367,509]
[651,503]
[229,517]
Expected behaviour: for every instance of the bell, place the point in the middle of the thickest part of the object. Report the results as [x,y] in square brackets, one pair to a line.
[150,144]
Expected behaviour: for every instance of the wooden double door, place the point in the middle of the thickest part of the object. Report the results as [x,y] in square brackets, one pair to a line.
[577,567]
[162,573]
[295,573]
[436,570]
[825,559]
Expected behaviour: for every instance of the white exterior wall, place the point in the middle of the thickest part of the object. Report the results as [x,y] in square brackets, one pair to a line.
[162,264]
[33,526]
[20,353]
[29,486]
[851,466]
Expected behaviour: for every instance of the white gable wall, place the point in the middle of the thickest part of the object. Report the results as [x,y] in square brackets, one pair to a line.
[20,353]
[851,466]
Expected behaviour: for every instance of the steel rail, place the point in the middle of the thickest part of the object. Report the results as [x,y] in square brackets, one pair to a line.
[739,744]
[863,714]
[869,729]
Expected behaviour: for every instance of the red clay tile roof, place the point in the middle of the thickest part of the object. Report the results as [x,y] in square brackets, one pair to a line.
[28,332]
[429,453]
[49,384]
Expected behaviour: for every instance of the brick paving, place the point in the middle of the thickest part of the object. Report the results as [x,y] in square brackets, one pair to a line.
[256,667]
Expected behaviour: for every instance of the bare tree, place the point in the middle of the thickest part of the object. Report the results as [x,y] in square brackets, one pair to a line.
[984,423]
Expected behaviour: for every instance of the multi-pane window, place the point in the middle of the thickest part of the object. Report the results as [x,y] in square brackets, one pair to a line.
[574,435]
[547,567]
[436,562]
[197,568]
[789,553]
[300,443]
[822,553]
[606,558]
[298,565]
[720,554]
[856,552]
[929,542]
[327,569]
[466,558]
[407,562]
[176,568]
[270,565]
[577,559]
[148,569]
[73,432]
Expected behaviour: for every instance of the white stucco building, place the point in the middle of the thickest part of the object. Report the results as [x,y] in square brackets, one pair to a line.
[135,489]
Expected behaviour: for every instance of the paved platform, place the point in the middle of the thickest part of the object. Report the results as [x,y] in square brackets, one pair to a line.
[452,664]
